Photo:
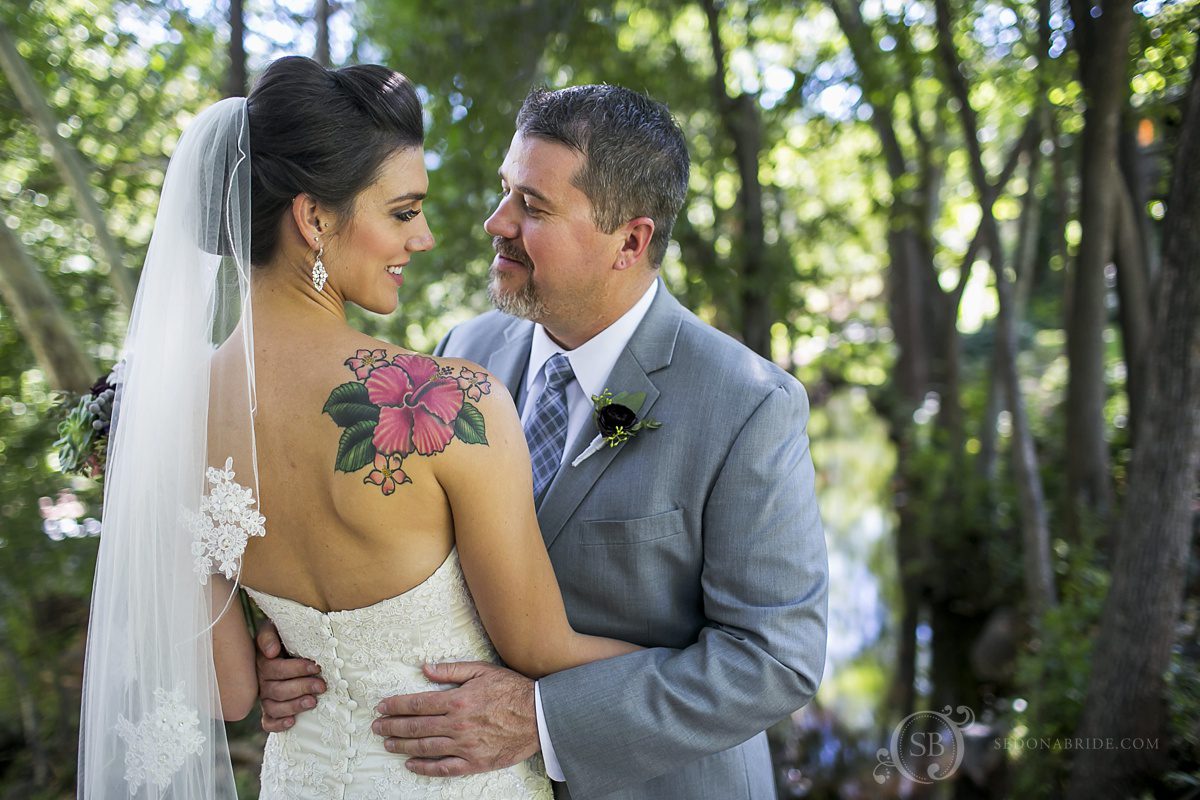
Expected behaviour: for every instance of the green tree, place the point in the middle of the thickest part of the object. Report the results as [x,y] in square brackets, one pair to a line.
[1126,696]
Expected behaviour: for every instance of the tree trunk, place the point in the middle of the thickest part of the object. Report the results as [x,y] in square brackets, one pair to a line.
[906,311]
[321,15]
[902,695]
[41,319]
[1062,204]
[1142,173]
[237,82]
[740,119]
[1025,259]
[70,165]
[1029,225]
[1035,528]
[922,316]
[985,463]
[953,679]
[1126,692]
[1104,61]
[1133,289]
[1035,532]
[756,277]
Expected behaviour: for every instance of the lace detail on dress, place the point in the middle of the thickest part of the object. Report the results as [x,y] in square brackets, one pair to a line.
[526,781]
[225,522]
[160,744]
[365,655]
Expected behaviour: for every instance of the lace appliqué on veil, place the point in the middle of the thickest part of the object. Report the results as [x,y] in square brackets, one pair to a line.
[160,744]
[225,522]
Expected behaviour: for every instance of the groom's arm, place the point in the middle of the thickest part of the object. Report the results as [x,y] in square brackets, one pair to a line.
[624,721]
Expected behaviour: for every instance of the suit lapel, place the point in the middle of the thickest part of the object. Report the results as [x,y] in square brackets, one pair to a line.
[509,361]
[649,350]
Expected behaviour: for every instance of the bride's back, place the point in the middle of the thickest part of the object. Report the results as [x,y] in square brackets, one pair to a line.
[337,185]
[333,539]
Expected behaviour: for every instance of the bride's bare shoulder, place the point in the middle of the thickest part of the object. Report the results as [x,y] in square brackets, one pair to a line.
[365,355]
[397,408]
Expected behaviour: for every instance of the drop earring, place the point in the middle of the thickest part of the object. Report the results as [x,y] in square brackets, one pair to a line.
[319,275]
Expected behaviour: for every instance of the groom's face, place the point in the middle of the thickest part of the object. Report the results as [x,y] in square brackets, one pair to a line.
[552,263]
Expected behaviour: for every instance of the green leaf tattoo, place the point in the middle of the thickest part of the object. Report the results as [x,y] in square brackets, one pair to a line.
[468,426]
[356,450]
[349,404]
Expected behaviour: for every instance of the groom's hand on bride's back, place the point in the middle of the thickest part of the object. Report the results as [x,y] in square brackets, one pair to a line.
[487,722]
[286,686]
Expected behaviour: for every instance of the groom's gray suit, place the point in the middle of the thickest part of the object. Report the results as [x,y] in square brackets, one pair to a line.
[700,540]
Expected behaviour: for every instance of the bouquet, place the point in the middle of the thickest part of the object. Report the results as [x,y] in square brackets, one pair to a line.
[83,433]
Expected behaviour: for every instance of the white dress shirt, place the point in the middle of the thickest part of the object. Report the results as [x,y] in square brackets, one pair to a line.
[592,362]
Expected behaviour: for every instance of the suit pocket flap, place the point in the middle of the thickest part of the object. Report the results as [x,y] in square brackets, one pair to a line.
[632,531]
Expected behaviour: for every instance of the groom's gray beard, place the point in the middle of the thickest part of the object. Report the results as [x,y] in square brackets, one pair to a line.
[523,303]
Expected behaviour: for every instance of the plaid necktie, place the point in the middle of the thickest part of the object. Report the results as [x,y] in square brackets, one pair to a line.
[547,428]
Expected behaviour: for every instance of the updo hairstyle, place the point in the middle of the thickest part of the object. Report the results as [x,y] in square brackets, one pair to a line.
[324,133]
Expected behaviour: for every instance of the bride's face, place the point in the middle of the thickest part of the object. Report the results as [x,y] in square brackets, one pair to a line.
[367,253]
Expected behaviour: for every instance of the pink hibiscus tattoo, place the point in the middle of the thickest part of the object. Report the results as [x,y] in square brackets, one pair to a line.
[408,404]
[417,408]
[387,473]
[474,384]
[364,362]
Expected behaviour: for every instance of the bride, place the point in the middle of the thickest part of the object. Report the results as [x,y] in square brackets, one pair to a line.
[374,502]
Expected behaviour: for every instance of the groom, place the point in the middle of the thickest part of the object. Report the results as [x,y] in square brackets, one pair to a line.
[700,539]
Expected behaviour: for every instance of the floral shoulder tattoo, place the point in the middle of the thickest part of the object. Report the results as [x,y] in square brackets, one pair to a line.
[399,406]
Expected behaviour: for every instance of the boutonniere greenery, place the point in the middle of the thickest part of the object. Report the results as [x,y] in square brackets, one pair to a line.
[617,419]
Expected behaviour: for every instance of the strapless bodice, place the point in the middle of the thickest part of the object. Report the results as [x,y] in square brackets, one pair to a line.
[365,655]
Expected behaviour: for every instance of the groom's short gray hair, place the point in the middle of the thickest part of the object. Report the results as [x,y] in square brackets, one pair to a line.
[635,157]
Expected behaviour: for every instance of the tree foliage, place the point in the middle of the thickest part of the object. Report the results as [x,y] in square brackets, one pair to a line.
[872,185]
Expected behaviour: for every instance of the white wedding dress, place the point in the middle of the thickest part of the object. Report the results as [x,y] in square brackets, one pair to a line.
[365,655]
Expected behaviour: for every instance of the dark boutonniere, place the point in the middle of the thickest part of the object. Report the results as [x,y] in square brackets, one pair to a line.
[617,419]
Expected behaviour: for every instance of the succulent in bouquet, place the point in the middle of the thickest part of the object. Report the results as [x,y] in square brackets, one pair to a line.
[83,433]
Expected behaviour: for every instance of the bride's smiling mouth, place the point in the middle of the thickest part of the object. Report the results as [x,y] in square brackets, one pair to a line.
[396,273]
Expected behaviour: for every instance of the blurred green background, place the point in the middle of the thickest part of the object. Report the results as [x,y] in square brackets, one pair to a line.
[862,173]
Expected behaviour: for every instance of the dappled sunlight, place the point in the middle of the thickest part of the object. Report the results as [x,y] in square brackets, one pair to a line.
[849,161]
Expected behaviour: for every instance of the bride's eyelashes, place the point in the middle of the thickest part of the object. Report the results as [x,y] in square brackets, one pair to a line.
[407,216]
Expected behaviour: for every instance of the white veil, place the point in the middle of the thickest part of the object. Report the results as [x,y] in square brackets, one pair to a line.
[175,510]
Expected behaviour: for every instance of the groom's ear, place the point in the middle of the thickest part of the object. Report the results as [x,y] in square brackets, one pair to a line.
[636,234]
[306,213]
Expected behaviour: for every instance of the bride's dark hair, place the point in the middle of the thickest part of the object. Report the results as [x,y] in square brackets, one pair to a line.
[322,132]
